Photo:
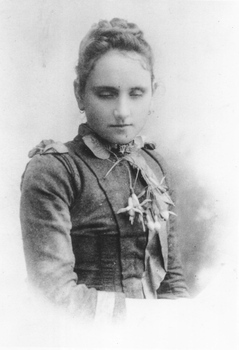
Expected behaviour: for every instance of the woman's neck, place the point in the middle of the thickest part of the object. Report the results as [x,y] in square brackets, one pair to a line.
[114,147]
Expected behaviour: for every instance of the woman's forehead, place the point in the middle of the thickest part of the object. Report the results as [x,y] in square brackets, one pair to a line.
[120,68]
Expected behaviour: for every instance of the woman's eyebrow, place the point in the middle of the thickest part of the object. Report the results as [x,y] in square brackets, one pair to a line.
[104,88]
[113,89]
[140,88]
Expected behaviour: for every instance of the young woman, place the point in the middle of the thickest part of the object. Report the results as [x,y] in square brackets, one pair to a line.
[96,213]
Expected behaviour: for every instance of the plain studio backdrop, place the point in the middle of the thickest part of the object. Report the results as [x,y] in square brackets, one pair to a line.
[194,122]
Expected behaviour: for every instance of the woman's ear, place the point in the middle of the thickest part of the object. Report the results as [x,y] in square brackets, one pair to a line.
[79,98]
[154,86]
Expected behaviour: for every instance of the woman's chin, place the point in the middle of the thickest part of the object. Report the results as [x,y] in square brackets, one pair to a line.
[119,138]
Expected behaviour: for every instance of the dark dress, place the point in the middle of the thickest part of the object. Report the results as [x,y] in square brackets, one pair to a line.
[80,252]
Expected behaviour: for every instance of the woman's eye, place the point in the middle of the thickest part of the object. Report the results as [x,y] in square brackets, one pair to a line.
[136,93]
[105,95]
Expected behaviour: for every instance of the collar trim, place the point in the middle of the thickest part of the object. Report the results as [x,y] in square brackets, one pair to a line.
[102,149]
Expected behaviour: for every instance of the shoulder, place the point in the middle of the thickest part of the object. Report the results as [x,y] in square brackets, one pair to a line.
[48,147]
[157,158]
[44,156]
[47,176]
[160,165]
[49,164]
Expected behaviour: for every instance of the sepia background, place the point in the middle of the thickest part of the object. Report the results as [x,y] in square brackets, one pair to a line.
[194,122]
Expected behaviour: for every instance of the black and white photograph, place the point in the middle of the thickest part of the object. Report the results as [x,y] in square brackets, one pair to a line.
[119,174]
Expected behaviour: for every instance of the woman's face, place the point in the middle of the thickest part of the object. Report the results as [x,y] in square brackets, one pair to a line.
[117,96]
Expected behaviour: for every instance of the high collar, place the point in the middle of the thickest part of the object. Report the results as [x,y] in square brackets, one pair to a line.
[103,149]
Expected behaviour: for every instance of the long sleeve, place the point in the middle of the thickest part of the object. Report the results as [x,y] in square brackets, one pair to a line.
[47,196]
[173,285]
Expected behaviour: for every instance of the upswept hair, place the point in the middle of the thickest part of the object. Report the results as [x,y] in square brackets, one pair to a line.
[109,35]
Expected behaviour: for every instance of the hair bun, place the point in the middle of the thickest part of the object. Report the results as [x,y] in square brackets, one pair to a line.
[118,25]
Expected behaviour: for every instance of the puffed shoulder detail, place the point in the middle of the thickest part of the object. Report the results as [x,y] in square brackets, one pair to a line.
[48,147]
[47,173]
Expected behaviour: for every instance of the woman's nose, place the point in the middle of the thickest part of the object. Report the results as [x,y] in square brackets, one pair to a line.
[122,111]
